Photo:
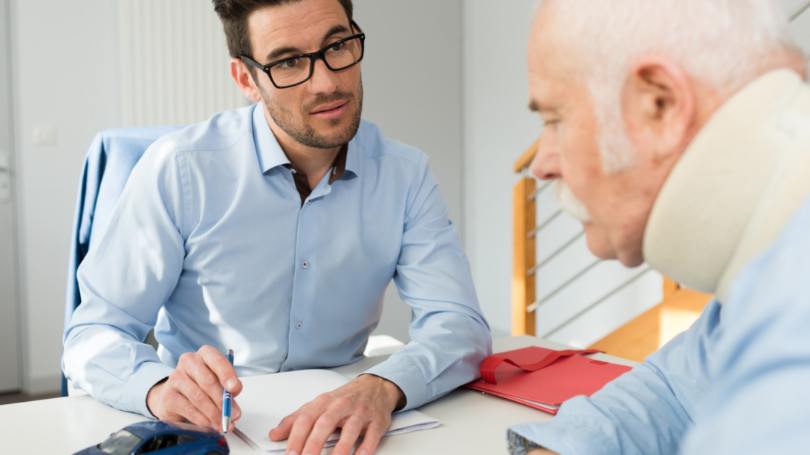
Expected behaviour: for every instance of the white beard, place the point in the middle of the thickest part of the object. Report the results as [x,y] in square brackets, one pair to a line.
[569,203]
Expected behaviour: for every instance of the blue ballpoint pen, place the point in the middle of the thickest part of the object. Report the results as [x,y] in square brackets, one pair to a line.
[226,401]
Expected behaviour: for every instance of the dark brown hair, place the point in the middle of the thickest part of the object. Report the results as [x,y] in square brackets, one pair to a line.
[234,16]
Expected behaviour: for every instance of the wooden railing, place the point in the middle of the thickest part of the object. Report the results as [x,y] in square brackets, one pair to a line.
[634,340]
[525,221]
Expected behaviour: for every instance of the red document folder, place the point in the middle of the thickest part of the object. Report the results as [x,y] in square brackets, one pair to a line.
[543,378]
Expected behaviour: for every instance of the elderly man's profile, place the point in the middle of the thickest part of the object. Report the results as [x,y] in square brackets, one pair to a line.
[679,131]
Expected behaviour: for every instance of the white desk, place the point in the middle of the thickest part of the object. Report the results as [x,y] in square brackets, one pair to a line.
[472,423]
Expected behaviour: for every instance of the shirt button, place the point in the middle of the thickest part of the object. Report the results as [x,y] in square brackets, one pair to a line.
[305,264]
[293,171]
[299,325]
[309,202]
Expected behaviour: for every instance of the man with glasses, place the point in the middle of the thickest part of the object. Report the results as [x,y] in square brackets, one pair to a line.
[274,230]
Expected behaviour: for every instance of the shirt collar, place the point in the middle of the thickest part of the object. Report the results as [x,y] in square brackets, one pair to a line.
[352,155]
[269,151]
[272,155]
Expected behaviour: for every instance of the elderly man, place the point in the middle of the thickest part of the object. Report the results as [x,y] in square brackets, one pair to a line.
[274,230]
[679,131]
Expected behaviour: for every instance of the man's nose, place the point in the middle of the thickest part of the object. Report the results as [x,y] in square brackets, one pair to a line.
[323,79]
[546,162]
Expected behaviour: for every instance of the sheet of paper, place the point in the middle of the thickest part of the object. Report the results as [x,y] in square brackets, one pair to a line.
[267,399]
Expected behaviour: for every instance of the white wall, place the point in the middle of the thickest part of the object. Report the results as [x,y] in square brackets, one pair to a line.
[498,128]
[65,76]
[412,81]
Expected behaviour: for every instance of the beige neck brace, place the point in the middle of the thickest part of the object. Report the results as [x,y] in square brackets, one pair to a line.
[735,187]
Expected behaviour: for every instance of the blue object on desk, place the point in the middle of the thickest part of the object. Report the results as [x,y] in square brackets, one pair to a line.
[165,438]
[107,166]
[226,401]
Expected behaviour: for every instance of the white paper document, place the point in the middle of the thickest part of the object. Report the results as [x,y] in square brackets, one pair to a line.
[267,399]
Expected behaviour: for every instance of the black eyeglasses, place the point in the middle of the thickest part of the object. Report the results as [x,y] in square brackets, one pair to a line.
[291,71]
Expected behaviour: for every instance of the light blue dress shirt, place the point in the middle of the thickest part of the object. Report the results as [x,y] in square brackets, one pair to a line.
[210,245]
[737,382]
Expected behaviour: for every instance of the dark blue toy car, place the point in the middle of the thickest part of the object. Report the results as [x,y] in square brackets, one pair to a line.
[162,438]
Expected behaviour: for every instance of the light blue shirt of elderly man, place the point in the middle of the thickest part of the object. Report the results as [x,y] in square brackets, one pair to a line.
[680,133]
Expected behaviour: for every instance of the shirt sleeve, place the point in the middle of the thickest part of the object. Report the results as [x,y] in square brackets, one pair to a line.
[760,400]
[646,410]
[124,281]
[449,335]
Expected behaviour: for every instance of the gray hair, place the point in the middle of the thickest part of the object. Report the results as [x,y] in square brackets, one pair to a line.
[723,43]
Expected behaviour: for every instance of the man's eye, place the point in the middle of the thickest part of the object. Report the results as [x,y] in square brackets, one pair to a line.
[337,47]
[291,63]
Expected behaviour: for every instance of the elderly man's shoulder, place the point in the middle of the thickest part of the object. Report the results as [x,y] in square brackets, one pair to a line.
[782,267]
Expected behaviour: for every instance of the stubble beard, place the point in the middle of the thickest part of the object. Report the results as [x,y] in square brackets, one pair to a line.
[304,133]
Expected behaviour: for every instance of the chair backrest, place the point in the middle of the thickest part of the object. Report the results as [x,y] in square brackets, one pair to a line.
[107,166]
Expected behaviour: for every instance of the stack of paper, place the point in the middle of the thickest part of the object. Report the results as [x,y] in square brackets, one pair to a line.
[265,400]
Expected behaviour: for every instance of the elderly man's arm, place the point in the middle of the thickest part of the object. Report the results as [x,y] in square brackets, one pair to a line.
[759,401]
[647,410]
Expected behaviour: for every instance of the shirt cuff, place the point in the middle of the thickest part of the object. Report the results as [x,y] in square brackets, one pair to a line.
[400,371]
[138,385]
[575,435]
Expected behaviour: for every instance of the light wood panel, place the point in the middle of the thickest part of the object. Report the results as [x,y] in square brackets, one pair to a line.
[647,333]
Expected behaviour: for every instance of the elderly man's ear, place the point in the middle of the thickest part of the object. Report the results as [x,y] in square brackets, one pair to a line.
[659,106]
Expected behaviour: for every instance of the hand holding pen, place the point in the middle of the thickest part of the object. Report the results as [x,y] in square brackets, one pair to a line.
[226,401]
[193,391]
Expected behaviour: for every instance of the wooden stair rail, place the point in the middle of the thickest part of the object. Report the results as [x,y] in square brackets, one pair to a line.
[635,340]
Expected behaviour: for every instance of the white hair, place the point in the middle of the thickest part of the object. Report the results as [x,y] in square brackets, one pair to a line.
[723,43]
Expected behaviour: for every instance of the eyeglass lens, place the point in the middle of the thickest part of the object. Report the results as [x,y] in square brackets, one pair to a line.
[339,56]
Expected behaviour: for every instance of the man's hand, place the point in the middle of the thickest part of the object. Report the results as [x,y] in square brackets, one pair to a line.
[363,406]
[194,390]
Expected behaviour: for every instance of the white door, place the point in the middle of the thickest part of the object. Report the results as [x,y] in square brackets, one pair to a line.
[9,318]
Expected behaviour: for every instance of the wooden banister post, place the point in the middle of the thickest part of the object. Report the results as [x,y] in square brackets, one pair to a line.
[525,220]
[523,285]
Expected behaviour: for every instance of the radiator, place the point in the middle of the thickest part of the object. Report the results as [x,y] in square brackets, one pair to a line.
[174,63]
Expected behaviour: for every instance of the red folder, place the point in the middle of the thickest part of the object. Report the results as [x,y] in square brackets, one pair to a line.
[543,378]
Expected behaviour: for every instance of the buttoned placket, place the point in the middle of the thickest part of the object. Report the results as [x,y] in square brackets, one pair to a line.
[304,299]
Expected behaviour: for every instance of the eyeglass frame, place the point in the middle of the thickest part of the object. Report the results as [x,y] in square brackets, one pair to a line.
[313,57]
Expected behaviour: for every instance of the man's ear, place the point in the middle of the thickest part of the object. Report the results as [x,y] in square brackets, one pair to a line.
[659,106]
[242,77]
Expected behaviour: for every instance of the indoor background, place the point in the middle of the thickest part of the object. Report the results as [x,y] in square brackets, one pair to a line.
[446,76]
